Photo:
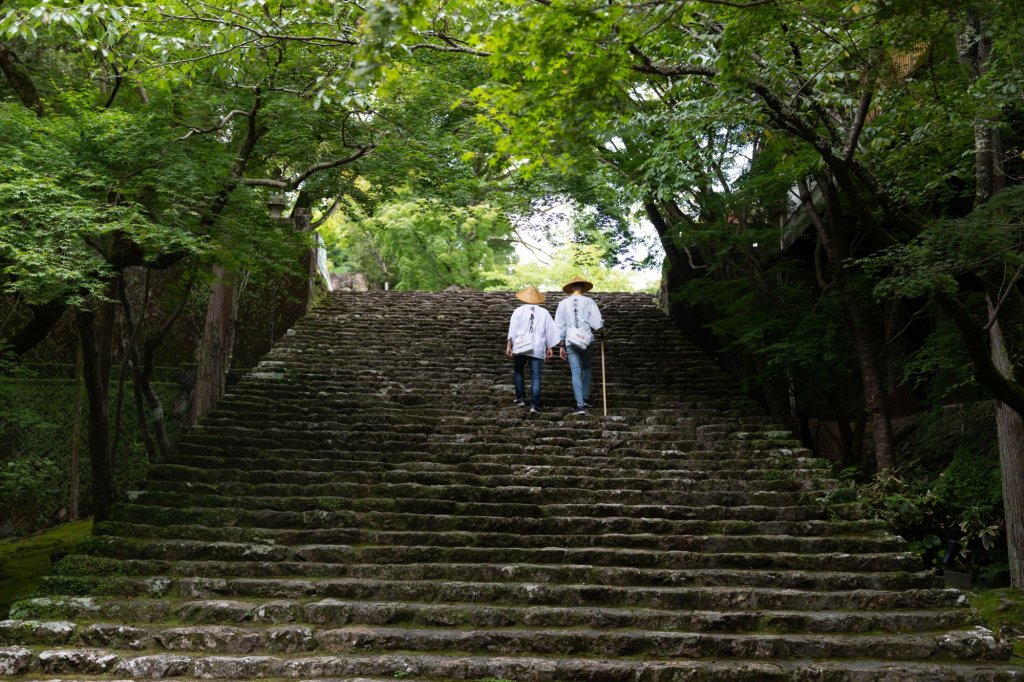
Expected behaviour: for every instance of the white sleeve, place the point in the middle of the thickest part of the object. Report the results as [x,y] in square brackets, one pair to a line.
[512,324]
[595,317]
[550,332]
[560,320]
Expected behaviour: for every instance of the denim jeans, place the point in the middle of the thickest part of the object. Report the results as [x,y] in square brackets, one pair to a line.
[536,369]
[579,365]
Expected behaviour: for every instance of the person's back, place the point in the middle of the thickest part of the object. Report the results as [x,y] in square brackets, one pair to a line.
[531,337]
[578,319]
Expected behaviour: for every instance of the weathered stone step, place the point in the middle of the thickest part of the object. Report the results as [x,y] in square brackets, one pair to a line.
[300,470]
[237,482]
[341,496]
[604,456]
[628,641]
[235,626]
[522,594]
[260,471]
[271,524]
[84,565]
[334,612]
[18,660]
[232,512]
[329,538]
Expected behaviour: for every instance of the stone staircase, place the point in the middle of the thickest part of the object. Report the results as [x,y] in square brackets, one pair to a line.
[368,505]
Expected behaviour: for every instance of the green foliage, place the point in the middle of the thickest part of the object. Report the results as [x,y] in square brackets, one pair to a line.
[566,262]
[24,561]
[73,188]
[950,490]
[37,418]
[987,239]
[425,245]
[26,488]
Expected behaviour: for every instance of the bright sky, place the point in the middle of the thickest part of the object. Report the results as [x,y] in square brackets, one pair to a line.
[543,232]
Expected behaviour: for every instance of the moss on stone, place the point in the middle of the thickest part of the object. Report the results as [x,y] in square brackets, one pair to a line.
[1003,608]
[24,561]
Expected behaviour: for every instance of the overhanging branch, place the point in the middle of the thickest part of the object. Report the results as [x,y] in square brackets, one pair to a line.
[297,179]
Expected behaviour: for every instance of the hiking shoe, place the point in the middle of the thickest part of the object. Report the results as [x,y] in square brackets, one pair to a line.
[519,403]
[534,409]
[587,405]
[579,410]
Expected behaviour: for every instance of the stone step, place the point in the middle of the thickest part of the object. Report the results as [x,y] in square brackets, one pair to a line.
[241,483]
[270,524]
[617,642]
[736,555]
[87,565]
[341,612]
[343,496]
[522,594]
[777,461]
[733,518]
[173,506]
[305,469]
[65,662]
[160,538]
[289,626]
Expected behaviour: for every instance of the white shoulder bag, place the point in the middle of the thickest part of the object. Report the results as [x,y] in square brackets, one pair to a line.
[580,338]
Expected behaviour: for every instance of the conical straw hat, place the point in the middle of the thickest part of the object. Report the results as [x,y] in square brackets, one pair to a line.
[530,295]
[587,286]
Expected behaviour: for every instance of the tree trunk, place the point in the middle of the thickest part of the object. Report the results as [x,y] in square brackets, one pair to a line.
[19,80]
[302,219]
[74,475]
[97,390]
[833,238]
[214,351]
[874,391]
[1010,430]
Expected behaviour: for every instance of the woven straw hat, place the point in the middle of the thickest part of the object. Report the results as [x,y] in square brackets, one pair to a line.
[530,295]
[587,286]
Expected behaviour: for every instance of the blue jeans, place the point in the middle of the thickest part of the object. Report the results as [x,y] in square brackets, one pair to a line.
[579,365]
[536,369]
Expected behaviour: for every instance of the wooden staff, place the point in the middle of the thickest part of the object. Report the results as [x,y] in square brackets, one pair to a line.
[604,391]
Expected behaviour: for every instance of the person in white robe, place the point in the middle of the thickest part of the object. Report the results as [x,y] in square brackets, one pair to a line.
[532,337]
[578,320]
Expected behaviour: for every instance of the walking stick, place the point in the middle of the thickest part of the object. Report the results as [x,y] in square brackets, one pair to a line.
[604,391]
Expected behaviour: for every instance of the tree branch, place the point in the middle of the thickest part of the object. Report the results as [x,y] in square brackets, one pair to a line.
[450,48]
[330,211]
[219,126]
[297,179]
[650,67]
[118,78]
[988,375]
[858,125]
[1010,287]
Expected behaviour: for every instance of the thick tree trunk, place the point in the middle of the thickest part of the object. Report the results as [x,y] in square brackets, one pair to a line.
[19,80]
[874,391]
[74,475]
[215,350]
[97,390]
[1010,431]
